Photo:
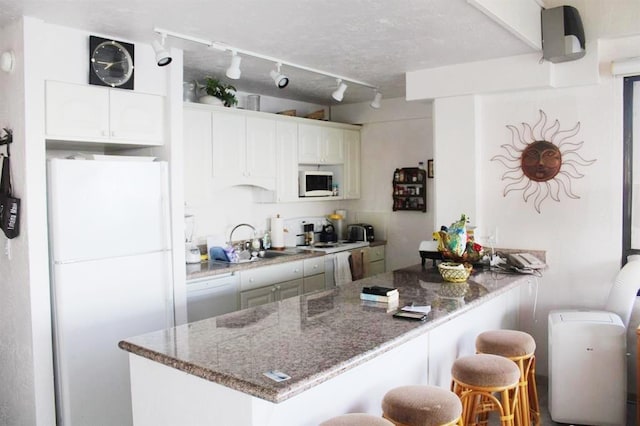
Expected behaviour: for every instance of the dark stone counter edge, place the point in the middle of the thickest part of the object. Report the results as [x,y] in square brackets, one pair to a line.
[281,391]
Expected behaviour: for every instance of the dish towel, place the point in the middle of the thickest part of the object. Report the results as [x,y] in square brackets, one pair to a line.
[341,269]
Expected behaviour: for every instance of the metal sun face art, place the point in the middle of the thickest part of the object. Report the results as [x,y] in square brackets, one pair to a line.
[541,161]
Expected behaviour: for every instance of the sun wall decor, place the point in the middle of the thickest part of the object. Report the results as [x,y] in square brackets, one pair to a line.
[541,161]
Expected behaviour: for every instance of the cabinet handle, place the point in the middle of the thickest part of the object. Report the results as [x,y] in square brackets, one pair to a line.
[103,133]
[274,288]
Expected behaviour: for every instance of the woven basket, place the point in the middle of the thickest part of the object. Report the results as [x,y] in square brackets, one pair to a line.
[452,272]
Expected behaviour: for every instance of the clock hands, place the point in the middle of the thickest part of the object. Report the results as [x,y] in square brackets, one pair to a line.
[109,64]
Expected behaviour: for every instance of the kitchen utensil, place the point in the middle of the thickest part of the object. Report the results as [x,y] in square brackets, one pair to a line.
[308,234]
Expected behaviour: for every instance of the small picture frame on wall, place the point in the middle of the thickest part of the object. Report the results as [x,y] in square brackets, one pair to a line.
[430,169]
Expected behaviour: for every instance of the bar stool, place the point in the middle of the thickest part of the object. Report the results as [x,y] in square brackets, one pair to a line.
[486,383]
[356,419]
[421,405]
[520,348]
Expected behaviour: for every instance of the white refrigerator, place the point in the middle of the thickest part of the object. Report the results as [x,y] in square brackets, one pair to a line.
[111,278]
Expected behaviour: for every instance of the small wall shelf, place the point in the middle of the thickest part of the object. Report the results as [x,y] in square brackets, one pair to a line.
[410,189]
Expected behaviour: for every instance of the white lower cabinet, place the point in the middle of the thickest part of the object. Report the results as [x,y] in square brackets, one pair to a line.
[267,284]
[376,260]
[314,278]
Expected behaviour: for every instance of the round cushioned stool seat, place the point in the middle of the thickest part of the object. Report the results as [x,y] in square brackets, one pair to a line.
[508,343]
[485,370]
[356,419]
[421,405]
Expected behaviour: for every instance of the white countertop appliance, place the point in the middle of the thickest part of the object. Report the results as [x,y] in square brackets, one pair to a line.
[315,183]
[110,260]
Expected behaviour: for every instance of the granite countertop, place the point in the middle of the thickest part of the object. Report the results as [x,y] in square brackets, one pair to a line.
[312,337]
[212,268]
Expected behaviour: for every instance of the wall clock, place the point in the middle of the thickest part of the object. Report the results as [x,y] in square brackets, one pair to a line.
[110,63]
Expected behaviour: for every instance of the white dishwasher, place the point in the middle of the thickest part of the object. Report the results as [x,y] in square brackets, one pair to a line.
[212,296]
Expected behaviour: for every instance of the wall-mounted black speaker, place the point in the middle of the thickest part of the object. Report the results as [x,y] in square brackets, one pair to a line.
[562,34]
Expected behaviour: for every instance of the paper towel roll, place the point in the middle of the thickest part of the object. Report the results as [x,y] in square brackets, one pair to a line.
[277,232]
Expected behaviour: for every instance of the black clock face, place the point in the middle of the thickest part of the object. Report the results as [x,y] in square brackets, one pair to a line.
[111,63]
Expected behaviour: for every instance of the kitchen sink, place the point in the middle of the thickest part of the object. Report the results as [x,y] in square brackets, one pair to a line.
[270,254]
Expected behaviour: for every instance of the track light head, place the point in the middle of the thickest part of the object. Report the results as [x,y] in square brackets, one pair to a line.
[375,104]
[281,80]
[163,57]
[233,72]
[338,94]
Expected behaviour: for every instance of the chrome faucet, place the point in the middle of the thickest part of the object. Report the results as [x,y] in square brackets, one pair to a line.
[238,226]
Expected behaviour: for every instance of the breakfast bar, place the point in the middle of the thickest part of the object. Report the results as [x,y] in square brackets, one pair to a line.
[305,359]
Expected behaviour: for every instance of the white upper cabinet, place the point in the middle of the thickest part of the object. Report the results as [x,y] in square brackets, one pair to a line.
[228,148]
[197,157]
[351,185]
[85,113]
[287,160]
[261,148]
[319,144]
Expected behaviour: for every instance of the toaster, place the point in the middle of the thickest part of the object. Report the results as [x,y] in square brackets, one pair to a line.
[360,232]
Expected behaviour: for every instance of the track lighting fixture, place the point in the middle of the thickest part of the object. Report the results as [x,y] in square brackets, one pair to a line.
[281,80]
[7,60]
[233,71]
[162,55]
[376,100]
[338,94]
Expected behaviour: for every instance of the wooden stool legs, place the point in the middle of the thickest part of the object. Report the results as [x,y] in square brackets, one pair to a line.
[486,383]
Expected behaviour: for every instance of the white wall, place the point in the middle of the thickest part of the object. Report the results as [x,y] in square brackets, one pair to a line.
[18,376]
[26,365]
[582,237]
[399,134]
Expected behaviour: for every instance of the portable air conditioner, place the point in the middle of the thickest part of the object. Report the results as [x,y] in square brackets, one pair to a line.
[587,367]
[588,357]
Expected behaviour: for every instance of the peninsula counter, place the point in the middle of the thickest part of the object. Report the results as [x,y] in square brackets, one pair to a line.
[340,353]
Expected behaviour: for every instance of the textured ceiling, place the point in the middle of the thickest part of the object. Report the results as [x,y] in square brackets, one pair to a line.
[375,41]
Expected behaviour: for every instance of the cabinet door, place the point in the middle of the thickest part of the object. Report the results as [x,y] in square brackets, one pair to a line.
[228,147]
[197,157]
[309,142]
[376,268]
[291,288]
[351,185]
[257,297]
[261,148]
[136,117]
[76,112]
[331,149]
[314,283]
[287,161]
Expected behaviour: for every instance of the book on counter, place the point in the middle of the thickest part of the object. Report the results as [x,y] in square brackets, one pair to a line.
[393,297]
[380,291]
[390,306]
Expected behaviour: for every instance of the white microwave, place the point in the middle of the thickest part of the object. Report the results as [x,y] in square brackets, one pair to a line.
[315,183]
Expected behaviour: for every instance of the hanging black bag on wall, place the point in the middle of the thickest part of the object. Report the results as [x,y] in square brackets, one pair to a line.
[9,205]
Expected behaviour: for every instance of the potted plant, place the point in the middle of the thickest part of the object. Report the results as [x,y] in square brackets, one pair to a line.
[225,92]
